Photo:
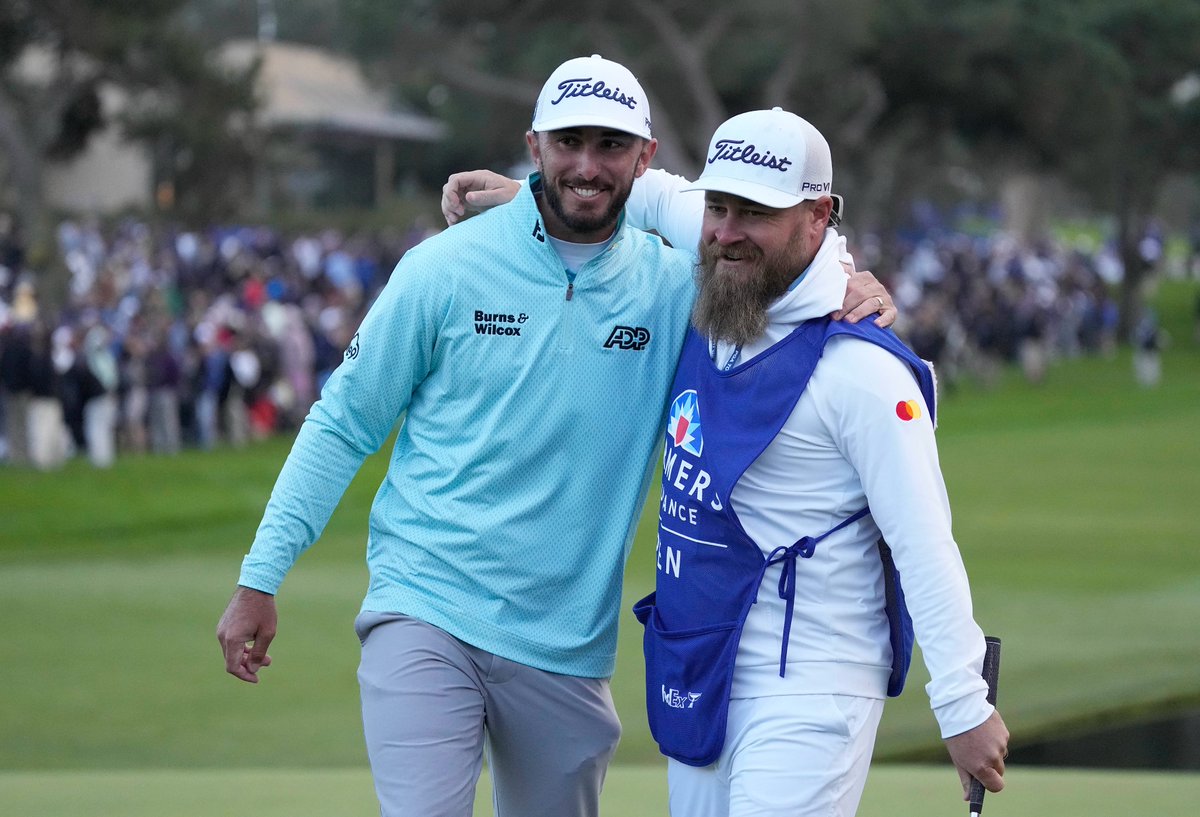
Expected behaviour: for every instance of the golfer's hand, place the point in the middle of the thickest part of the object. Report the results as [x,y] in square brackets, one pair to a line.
[245,631]
[979,753]
[865,296]
[477,190]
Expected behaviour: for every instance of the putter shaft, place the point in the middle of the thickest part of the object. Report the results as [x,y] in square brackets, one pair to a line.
[991,674]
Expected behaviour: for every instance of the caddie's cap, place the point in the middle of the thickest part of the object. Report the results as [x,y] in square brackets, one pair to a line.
[592,92]
[770,157]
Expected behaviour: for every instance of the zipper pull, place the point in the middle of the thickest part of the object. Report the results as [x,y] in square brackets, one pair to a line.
[570,289]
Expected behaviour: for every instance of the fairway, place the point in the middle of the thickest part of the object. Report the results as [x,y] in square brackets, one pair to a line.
[630,791]
[1075,504]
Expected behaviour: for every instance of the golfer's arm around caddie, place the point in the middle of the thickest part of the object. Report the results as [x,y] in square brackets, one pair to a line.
[657,198]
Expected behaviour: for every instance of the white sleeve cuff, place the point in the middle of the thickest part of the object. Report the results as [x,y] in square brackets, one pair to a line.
[961,715]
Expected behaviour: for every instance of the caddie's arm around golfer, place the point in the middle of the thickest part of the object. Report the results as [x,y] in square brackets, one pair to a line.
[866,296]
[245,631]
[483,189]
[979,753]
[477,190]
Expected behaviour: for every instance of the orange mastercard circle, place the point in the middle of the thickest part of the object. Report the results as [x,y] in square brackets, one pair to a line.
[908,410]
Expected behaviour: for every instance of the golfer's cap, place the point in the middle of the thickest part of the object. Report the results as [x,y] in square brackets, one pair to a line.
[770,157]
[592,92]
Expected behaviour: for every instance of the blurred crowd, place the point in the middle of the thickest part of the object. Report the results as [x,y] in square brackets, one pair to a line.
[174,338]
[974,304]
[177,338]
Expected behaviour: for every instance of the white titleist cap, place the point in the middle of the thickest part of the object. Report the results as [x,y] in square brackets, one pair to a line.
[771,157]
[592,92]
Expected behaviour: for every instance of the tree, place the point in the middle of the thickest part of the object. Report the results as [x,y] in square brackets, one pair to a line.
[179,102]
[698,63]
[1088,90]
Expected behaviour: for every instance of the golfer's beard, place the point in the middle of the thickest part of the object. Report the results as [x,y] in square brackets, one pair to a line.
[583,224]
[733,308]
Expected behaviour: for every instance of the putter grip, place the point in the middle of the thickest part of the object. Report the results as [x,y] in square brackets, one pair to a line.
[991,674]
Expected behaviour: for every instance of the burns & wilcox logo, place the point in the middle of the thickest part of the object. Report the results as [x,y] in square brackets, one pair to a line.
[683,424]
[679,700]
[498,323]
[628,337]
[352,349]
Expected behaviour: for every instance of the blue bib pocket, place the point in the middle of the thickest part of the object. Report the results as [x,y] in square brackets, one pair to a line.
[689,674]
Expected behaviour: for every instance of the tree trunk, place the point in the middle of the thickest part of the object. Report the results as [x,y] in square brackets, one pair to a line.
[25,168]
[1130,298]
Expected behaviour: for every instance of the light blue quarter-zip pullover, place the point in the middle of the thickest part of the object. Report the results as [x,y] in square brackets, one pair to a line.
[531,408]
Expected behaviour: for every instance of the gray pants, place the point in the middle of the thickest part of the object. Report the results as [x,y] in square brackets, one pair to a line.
[430,701]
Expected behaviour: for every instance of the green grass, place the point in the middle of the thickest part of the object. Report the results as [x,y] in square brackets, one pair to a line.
[1076,508]
[630,791]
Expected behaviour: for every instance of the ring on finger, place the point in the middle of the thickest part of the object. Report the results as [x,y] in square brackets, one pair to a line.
[879,301]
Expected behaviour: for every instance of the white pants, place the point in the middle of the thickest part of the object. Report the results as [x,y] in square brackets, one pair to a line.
[47,434]
[784,756]
[100,430]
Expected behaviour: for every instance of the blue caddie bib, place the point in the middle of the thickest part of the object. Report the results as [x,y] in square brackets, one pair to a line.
[720,422]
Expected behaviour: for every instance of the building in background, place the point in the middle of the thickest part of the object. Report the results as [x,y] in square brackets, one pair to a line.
[329,139]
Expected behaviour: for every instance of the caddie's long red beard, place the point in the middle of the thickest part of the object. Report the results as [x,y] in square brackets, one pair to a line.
[732,305]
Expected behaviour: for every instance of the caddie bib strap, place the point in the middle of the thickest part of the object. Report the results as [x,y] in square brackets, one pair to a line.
[787,577]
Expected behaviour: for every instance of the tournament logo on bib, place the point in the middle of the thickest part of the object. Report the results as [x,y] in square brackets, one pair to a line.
[683,425]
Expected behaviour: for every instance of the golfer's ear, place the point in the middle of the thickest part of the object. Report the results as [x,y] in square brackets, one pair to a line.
[535,148]
[649,148]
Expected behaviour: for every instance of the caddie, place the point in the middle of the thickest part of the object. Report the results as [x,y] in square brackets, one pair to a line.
[804,528]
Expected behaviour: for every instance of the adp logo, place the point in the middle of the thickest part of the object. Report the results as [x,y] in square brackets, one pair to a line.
[628,337]
[683,423]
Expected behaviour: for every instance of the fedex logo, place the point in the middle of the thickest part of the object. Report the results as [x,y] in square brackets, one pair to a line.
[677,700]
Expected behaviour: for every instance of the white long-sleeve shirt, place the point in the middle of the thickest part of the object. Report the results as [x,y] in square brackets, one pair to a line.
[659,202]
[844,446]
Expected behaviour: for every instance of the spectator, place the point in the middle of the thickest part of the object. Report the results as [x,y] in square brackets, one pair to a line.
[134,391]
[1147,346]
[212,381]
[163,380]
[16,388]
[47,434]
[99,367]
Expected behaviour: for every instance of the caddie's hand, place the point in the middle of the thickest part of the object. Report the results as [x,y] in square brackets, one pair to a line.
[865,296]
[245,631]
[475,190]
[979,753]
